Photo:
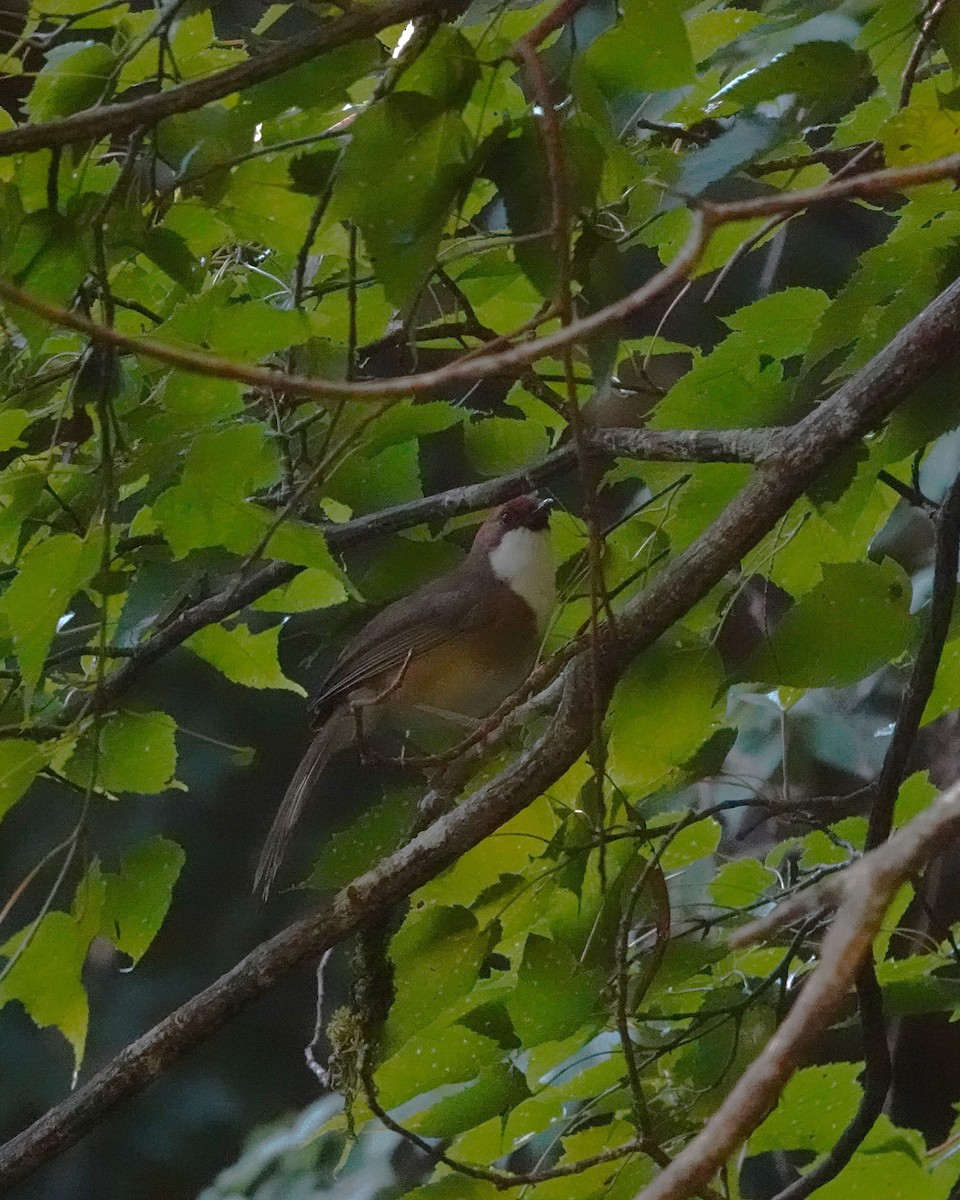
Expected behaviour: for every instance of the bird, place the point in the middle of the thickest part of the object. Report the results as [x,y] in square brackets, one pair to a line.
[459,645]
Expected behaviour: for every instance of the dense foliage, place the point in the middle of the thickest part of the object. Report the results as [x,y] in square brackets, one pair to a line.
[558,1012]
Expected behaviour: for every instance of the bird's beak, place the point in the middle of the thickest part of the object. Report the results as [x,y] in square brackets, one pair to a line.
[544,506]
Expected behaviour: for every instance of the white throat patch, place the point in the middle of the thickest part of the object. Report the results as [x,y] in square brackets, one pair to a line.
[524,561]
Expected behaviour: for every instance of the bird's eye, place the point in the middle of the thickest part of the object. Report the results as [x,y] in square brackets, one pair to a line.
[504,518]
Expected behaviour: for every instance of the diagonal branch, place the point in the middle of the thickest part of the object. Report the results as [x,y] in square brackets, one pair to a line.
[865,891]
[680,445]
[802,453]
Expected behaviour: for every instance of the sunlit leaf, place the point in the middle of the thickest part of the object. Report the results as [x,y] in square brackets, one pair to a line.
[244,657]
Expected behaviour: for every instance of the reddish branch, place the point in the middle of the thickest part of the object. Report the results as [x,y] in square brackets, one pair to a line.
[705,220]
[803,452]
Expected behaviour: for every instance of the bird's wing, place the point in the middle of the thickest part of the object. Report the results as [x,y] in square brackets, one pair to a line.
[406,629]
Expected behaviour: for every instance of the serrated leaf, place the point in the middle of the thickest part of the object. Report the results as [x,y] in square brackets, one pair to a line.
[738,884]
[49,575]
[209,507]
[709,31]
[918,134]
[496,445]
[517,165]
[402,422]
[813,71]
[20,763]
[446,71]
[137,752]
[73,77]
[496,1090]
[646,52]
[244,657]
[554,995]
[137,896]
[253,328]
[856,620]
[208,399]
[741,382]
[683,681]
[434,1059]
[351,851]
[170,252]
[417,151]
[46,977]
[436,957]
[815,1107]
[310,590]
[694,842]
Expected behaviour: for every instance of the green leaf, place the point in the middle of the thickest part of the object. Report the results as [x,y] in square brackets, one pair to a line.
[138,895]
[918,134]
[876,1176]
[20,763]
[13,421]
[856,620]
[694,842]
[378,831]
[446,71]
[73,77]
[47,256]
[50,573]
[320,83]
[208,399]
[910,985]
[310,590]
[517,165]
[244,657]
[137,753]
[45,978]
[436,957]
[210,506]
[646,51]
[813,71]
[434,1059]
[402,422]
[738,884]
[554,995]
[496,1090]
[743,142]
[254,328]
[682,680]
[496,445]
[409,147]
[709,31]
[815,1108]
[170,252]
[741,382]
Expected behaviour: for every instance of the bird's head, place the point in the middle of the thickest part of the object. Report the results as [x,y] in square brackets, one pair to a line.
[515,541]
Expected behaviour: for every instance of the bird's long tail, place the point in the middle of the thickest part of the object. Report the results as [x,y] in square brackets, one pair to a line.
[335,734]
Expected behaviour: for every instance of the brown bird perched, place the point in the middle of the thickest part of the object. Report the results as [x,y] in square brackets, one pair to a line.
[460,644]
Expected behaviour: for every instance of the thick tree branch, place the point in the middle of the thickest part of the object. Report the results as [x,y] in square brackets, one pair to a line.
[680,445]
[801,454]
[863,893]
[108,120]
